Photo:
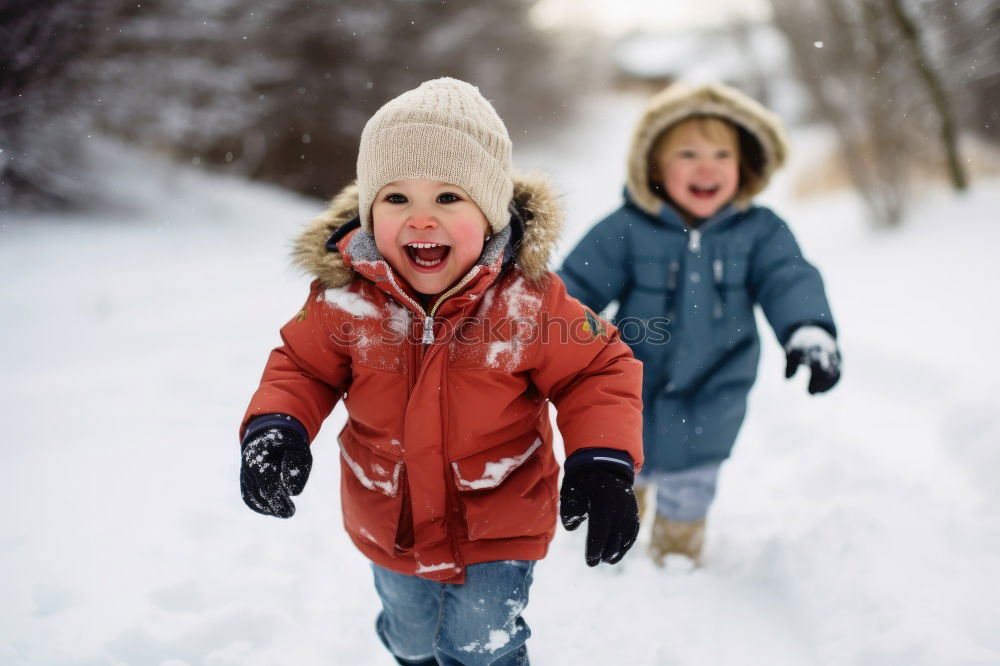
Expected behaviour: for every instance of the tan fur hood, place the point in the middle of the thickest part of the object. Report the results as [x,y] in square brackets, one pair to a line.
[534,199]
[681,101]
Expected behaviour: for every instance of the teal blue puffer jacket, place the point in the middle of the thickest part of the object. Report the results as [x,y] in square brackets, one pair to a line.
[698,367]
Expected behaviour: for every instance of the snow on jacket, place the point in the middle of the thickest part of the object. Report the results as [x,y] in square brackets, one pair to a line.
[446,455]
[686,295]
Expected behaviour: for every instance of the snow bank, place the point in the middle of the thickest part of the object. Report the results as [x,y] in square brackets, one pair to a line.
[853,528]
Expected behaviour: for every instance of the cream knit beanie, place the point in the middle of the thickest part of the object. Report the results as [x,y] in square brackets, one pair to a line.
[442,130]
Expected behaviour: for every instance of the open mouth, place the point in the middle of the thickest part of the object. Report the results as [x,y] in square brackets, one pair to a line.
[427,256]
[703,192]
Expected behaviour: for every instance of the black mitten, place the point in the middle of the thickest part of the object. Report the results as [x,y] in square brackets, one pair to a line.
[815,347]
[601,492]
[276,464]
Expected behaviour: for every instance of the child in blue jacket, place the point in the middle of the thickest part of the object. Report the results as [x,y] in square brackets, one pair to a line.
[687,257]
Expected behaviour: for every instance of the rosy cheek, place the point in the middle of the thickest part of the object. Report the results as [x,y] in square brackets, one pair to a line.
[381,244]
[385,240]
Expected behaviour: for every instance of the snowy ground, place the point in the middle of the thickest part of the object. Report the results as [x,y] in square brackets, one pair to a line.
[854,528]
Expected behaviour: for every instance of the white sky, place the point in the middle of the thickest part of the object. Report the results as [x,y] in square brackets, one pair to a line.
[617,16]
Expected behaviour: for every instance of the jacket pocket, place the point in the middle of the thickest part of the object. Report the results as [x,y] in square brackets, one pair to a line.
[654,288]
[505,491]
[371,490]
[651,273]
[730,272]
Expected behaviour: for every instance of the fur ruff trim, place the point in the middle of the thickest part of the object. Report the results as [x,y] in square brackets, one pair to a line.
[681,101]
[534,198]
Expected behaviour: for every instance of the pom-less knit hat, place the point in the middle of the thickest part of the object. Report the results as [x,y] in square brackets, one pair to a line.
[442,130]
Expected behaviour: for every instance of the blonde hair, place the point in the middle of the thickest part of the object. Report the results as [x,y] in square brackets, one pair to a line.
[717,130]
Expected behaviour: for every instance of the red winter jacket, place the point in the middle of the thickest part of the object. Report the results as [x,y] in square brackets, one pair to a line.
[446,454]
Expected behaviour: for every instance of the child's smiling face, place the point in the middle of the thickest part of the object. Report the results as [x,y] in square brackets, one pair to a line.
[700,173]
[430,232]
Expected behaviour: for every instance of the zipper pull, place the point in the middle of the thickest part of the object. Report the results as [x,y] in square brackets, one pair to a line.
[720,290]
[694,240]
[675,268]
[428,337]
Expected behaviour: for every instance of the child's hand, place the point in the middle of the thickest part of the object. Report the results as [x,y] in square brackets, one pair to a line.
[276,464]
[603,493]
[815,347]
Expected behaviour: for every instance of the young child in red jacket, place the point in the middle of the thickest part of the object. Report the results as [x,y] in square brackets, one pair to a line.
[434,318]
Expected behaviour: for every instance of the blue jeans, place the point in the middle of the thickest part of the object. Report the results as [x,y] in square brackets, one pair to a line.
[473,624]
[683,495]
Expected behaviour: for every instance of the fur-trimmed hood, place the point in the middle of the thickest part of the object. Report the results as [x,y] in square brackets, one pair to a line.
[535,203]
[681,101]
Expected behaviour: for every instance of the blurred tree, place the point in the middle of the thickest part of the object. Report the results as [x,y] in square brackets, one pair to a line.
[875,70]
[913,38]
[967,37]
[176,75]
[271,89]
[280,91]
[851,71]
[40,93]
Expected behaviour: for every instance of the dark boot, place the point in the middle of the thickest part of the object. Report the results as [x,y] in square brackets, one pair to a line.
[426,662]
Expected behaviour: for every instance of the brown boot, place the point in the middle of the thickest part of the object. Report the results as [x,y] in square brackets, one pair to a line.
[675,536]
[640,497]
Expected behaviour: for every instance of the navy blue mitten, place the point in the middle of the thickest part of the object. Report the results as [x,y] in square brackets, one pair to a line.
[815,347]
[597,487]
[275,466]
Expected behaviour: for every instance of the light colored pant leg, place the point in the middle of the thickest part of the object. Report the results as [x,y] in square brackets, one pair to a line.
[481,623]
[411,608]
[476,623]
[683,495]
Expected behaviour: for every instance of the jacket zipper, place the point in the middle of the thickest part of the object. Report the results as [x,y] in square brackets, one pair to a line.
[404,527]
[428,335]
[694,240]
[452,502]
[427,338]
[695,233]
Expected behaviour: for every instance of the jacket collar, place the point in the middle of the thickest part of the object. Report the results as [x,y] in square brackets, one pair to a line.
[333,248]
[359,253]
[669,216]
